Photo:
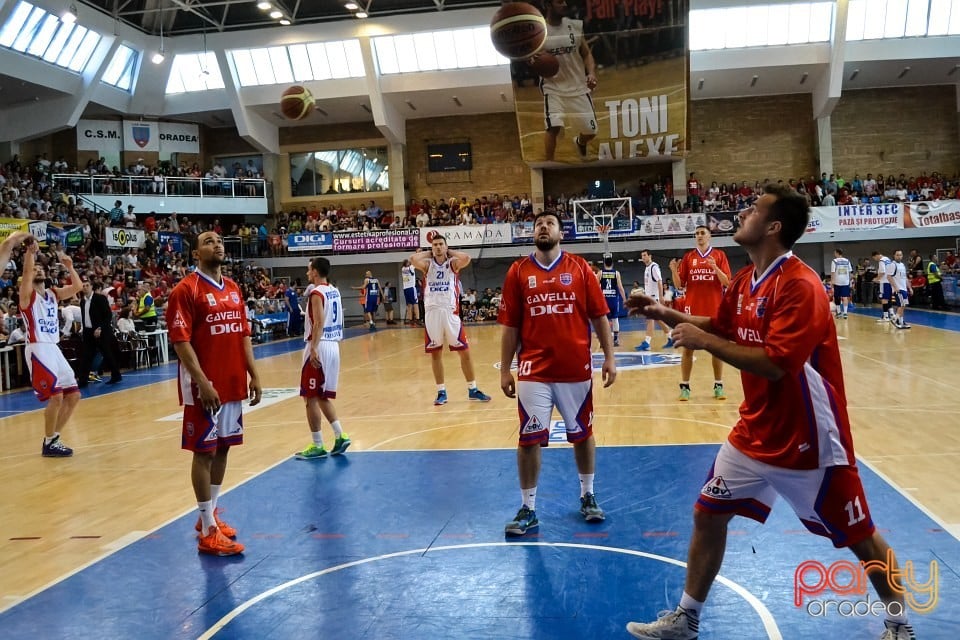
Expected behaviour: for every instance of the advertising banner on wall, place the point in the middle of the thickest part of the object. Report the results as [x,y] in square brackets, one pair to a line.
[141,136]
[856,217]
[175,240]
[179,138]
[355,241]
[621,84]
[122,238]
[105,136]
[941,213]
[469,235]
[523,231]
[309,241]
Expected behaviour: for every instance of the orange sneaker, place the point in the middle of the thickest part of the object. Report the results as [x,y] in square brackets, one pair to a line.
[217,544]
[225,529]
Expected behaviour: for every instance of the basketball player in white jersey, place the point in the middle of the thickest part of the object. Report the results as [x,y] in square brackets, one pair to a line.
[566,95]
[53,379]
[840,270]
[902,290]
[653,287]
[321,360]
[411,301]
[441,308]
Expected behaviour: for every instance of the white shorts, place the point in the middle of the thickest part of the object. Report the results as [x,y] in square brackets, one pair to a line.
[322,382]
[829,501]
[536,400]
[443,326]
[576,112]
[50,373]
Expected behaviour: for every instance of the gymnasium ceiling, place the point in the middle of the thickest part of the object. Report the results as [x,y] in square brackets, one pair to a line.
[194,16]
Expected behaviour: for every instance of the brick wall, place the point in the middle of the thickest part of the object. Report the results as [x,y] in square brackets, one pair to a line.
[326,133]
[904,130]
[494,143]
[573,181]
[753,138]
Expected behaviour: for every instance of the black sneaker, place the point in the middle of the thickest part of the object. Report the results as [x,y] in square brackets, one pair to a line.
[56,449]
[590,510]
[524,522]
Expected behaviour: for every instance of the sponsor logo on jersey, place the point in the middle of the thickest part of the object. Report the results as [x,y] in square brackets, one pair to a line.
[235,297]
[178,321]
[761,306]
[531,282]
[211,300]
[716,488]
[566,279]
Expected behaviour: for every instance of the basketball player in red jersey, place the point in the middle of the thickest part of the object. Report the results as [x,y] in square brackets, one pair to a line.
[704,273]
[549,300]
[793,437]
[208,327]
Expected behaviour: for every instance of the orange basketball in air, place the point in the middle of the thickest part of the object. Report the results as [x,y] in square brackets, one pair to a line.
[296,103]
[518,30]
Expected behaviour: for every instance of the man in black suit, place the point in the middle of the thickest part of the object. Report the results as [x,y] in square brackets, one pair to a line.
[97,333]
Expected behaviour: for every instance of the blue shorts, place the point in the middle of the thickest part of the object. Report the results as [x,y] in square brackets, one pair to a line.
[841,291]
[614,305]
[410,295]
[901,299]
[370,304]
[886,291]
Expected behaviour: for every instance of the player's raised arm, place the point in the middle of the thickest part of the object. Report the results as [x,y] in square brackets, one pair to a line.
[460,259]
[420,260]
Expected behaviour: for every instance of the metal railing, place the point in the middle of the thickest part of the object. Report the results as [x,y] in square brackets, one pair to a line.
[82,183]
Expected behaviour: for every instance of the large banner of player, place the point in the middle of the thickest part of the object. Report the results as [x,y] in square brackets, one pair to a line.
[619,92]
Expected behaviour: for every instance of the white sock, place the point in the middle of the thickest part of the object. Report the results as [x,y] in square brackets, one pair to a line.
[206,516]
[586,483]
[337,429]
[719,382]
[472,385]
[46,440]
[649,338]
[844,307]
[214,495]
[529,497]
[691,606]
[317,438]
[441,387]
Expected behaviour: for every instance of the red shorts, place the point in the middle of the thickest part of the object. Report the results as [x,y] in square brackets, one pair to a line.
[829,501]
[204,432]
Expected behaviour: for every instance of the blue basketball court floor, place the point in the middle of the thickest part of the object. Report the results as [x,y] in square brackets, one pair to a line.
[410,545]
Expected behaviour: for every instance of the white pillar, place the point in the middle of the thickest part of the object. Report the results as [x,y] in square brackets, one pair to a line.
[825,145]
[679,181]
[396,154]
[536,189]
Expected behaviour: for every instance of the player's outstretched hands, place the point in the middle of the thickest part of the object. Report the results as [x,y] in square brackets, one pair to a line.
[65,260]
[506,381]
[640,304]
[688,336]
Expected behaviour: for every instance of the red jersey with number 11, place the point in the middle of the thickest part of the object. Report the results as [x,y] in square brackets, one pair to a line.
[552,306]
[799,421]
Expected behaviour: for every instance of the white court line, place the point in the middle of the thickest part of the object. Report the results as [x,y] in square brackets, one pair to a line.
[769,623]
[907,372]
